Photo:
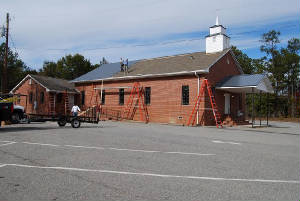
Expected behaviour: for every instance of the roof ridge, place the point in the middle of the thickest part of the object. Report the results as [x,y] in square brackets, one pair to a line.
[170,56]
[43,76]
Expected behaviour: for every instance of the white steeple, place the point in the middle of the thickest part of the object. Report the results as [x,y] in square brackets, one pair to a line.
[217,40]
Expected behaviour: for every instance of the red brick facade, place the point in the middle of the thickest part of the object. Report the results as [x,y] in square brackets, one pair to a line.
[34,92]
[166,94]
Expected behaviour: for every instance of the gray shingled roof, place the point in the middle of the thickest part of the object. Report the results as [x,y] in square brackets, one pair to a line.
[171,64]
[198,61]
[54,84]
[259,82]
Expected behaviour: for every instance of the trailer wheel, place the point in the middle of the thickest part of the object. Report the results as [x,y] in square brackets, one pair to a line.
[15,118]
[61,122]
[75,123]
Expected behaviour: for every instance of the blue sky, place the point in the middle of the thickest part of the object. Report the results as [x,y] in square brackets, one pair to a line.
[137,29]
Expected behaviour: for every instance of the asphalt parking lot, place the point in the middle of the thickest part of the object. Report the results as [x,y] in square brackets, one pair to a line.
[134,161]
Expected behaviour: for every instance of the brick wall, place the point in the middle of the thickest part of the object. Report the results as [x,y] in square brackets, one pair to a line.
[26,88]
[226,66]
[36,89]
[165,106]
[166,97]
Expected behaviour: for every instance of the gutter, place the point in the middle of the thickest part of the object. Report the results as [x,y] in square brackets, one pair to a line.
[69,92]
[144,76]
[198,91]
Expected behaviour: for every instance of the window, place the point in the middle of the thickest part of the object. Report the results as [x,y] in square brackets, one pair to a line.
[30,97]
[147,95]
[214,39]
[59,98]
[103,97]
[82,97]
[185,95]
[42,97]
[121,96]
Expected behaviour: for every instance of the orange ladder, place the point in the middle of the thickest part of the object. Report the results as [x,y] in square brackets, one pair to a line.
[136,100]
[51,109]
[200,99]
[67,107]
[95,104]
[94,93]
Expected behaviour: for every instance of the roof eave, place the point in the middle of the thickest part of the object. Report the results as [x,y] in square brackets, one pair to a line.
[69,92]
[145,76]
[24,79]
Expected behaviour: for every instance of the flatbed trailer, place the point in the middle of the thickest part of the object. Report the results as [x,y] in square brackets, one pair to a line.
[62,120]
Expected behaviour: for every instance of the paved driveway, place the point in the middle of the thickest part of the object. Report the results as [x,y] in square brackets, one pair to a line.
[133,161]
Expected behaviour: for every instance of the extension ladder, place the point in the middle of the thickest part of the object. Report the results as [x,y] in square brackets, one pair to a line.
[51,109]
[136,100]
[201,99]
[67,107]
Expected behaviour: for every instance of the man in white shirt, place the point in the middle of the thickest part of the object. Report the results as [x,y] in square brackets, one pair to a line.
[75,110]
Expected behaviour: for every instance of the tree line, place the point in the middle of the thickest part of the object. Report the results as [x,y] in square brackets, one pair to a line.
[281,64]
[68,67]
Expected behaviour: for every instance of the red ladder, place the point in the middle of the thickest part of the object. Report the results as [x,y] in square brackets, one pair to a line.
[136,100]
[200,99]
[51,109]
[95,93]
[67,107]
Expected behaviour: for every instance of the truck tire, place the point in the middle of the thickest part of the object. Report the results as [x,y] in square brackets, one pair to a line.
[75,123]
[15,118]
[62,122]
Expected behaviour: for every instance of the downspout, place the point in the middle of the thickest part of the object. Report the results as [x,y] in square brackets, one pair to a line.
[198,88]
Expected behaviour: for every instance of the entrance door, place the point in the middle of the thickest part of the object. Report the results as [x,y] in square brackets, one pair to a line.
[227,104]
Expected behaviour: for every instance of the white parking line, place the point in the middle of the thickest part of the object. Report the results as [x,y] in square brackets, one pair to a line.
[34,143]
[1,145]
[5,141]
[116,149]
[226,142]
[155,175]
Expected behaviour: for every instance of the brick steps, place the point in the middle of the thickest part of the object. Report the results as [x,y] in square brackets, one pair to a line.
[229,122]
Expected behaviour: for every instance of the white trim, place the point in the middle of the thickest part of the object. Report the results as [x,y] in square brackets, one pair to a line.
[220,57]
[144,76]
[164,74]
[47,89]
[69,92]
[103,88]
[236,87]
[236,62]
[11,91]
[24,79]
[264,86]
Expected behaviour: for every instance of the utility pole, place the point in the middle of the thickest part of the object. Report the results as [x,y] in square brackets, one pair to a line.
[4,70]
